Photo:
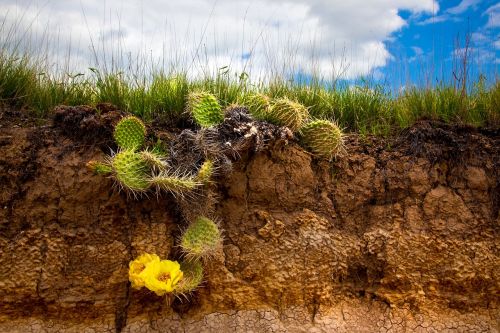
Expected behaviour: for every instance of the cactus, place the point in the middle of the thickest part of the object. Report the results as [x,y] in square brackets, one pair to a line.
[131,170]
[205,109]
[177,185]
[99,168]
[129,133]
[193,277]
[285,112]
[154,160]
[323,137]
[205,172]
[258,105]
[201,239]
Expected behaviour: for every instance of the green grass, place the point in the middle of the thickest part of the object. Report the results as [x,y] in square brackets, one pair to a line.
[367,109]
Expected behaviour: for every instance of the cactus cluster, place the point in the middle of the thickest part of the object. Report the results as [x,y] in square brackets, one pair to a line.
[323,138]
[137,170]
[279,111]
[204,108]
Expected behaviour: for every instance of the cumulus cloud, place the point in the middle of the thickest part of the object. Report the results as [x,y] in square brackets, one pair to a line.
[260,37]
[493,13]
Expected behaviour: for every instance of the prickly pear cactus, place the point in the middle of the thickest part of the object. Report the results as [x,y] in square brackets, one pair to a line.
[205,109]
[130,133]
[258,105]
[285,112]
[201,239]
[131,170]
[323,138]
[192,278]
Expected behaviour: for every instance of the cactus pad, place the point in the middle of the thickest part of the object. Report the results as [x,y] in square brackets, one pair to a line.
[285,112]
[129,133]
[323,137]
[258,106]
[177,185]
[131,170]
[99,168]
[201,239]
[205,109]
[155,160]
[192,278]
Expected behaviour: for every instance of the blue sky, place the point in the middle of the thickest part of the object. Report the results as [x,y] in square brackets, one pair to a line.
[431,47]
[395,42]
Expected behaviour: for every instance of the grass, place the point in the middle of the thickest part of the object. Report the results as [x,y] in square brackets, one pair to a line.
[365,108]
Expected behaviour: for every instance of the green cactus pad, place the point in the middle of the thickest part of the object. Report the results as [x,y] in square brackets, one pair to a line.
[129,133]
[99,168]
[174,184]
[192,278]
[205,172]
[205,109]
[201,239]
[131,170]
[258,106]
[285,112]
[323,137]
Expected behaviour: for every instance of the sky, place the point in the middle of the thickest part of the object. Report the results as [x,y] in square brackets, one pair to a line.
[393,42]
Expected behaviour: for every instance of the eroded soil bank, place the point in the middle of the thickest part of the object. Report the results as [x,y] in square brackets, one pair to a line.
[397,236]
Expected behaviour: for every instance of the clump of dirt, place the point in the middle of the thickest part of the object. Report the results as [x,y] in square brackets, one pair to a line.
[88,124]
[438,141]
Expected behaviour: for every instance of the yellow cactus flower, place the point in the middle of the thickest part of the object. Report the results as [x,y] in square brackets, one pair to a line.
[137,267]
[162,276]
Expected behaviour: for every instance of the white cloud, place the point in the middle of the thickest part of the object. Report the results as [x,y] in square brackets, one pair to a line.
[452,12]
[497,44]
[463,6]
[435,19]
[493,16]
[203,35]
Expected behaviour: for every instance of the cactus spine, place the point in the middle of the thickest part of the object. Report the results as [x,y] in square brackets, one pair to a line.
[201,239]
[129,133]
[323,137]
[205,109]
[205,172]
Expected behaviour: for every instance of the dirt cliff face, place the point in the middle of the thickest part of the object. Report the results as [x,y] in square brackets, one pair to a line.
[398,236]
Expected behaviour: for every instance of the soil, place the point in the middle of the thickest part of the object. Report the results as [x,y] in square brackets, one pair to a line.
[398,235]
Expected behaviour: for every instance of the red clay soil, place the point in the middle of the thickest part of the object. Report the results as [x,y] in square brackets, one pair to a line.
[399,235]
